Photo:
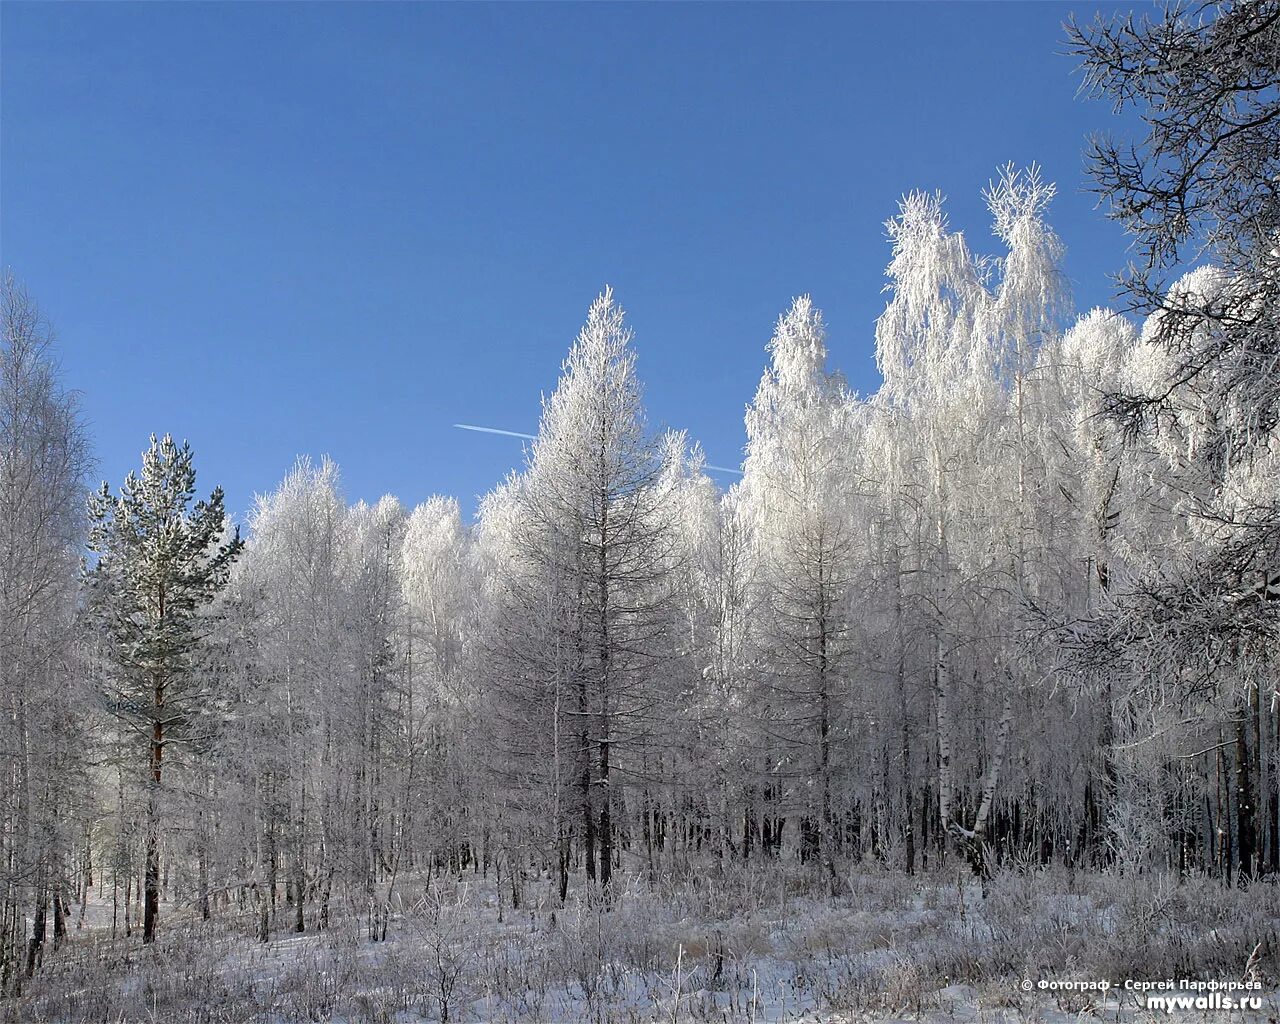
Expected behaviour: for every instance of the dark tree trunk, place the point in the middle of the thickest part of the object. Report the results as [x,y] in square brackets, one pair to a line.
[606,823]
[151,882]
[1245,829]
[59,918]
[563,859]
[35,945]
[1273,800]
[1224,812]
[202,869]
[299,888]
[1258,773]
[588,813]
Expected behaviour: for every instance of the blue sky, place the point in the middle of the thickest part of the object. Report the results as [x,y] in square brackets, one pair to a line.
[277,229]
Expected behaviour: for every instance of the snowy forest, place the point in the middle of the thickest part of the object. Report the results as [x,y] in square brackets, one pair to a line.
[969,680]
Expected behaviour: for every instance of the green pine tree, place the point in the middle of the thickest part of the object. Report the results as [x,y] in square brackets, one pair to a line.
[161,562]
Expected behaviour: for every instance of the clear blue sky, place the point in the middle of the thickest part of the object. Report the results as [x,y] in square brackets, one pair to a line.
[277,229]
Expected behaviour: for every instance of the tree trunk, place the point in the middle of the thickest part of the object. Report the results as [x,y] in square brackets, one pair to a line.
[1245,830]
[59,918]
[151,894]
[606,684]
[945,776]
[903,709]
[606,822]
[299,889]
[908,814]
[202,876]
[35,945]
[1258,772]
[978,840]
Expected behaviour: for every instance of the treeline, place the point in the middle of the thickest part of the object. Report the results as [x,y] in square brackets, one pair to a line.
[1020,606]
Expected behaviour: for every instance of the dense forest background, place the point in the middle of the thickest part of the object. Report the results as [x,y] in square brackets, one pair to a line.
[1019,609]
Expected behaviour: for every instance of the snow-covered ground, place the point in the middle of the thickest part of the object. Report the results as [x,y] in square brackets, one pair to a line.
[757,946]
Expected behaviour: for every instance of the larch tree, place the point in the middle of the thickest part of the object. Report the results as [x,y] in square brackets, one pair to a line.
[706,768]
[528,657]
[596,535]
[800,479]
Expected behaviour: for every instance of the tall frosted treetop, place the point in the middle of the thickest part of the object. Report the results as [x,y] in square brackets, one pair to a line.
[309,493]
[797,374]
[596,406]
[926,339]
[799,426]
[1032,294]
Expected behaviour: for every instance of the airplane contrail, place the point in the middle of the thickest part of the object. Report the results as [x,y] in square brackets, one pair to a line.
[534,437]
[495,430]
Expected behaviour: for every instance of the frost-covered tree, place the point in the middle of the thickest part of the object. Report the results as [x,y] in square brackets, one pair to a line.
[160,563]
[375,705]
[593,535]
[295,567]
[44,456]
[966,436]
[709,757]
[936,394]
[1205,393]
[435,565]
[799,479]
[1201,186]
[443,771]
[528,662]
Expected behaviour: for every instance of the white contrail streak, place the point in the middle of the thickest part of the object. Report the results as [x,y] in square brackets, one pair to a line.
[534,437]
[495,430]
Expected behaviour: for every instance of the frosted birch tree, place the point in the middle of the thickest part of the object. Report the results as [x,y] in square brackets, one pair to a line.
[295,566]
[376,709]
[441,592]
[44,457]
[930,353]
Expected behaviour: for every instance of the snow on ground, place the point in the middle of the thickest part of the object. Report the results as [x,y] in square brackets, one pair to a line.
[756,947]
